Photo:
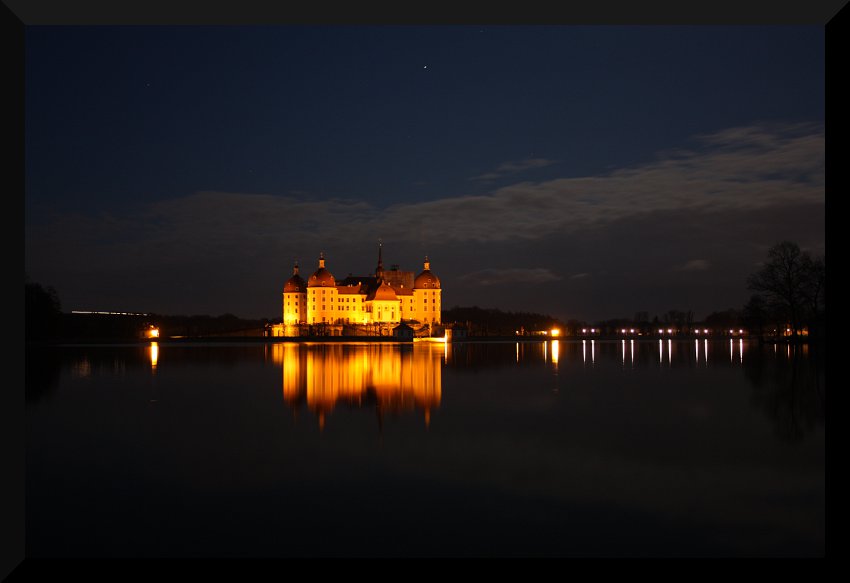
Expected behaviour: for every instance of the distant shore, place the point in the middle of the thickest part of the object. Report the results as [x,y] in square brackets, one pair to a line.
[392,340]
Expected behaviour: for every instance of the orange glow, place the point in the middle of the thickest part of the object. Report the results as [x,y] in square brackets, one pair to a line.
[152,332]
[555,352]
[390,377]
[154,353]
[556,332]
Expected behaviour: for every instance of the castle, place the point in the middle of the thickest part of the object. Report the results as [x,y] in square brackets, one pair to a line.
[378,303]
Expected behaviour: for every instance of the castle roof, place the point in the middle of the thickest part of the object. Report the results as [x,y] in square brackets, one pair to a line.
[295,283]
[321,277]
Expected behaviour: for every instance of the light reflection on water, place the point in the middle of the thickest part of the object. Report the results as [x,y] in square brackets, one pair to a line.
[154,355]
[525,445]
[393,378]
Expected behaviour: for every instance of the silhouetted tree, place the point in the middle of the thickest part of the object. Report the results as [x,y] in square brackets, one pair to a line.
[755,315]
[815,294]
[43,312]
[730,318]
[792,283]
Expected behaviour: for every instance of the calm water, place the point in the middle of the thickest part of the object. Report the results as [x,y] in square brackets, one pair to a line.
[564,448]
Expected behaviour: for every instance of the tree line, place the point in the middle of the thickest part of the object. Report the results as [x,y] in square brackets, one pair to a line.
[789,301]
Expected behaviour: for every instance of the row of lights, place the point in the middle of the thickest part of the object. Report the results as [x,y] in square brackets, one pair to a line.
[556,332]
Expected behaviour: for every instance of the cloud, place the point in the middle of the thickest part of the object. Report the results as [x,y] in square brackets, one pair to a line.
[768,170]
[694,265]
[510,275]
[515,167]
[580,276]
[740,169]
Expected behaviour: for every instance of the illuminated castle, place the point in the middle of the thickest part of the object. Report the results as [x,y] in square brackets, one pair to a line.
[385,299]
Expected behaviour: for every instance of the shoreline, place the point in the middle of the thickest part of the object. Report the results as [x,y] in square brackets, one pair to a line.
[392,340]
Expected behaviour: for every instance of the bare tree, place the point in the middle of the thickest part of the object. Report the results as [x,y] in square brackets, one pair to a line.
[791,282]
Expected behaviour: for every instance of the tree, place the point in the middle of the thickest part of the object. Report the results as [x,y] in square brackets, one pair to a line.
[43,312]
[791,282]
[755,314]
[814,294]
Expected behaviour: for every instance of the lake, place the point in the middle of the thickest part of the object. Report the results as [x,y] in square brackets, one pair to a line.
[562,448]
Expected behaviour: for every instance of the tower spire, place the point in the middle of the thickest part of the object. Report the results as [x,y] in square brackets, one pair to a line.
[295,268]
[321,259]
[379,271]
[427,264]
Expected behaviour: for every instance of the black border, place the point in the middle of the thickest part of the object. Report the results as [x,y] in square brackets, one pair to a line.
[15,15]
[33,12]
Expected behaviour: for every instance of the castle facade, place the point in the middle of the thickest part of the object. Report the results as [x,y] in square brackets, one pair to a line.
[385,298]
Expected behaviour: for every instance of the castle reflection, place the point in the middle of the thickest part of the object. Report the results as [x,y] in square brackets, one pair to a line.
[388,377]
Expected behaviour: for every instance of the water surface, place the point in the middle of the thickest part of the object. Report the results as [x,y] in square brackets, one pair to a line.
[559,448]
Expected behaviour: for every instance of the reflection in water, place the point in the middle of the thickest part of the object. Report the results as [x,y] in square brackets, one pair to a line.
[790,390]
[42,369]
[81,368]
[592,351]
[154,354]
[392,378]
[555,352]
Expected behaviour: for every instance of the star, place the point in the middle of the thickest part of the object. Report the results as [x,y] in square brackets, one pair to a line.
[425,67]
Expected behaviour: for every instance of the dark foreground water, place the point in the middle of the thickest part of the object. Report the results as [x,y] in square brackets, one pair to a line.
[540,449]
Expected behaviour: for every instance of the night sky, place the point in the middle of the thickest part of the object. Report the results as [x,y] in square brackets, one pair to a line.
[585,172]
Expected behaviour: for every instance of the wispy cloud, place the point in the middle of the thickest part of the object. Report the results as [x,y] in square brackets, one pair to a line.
[508,168]
[510,275]
[750,169]
[580,276]
[694,265]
